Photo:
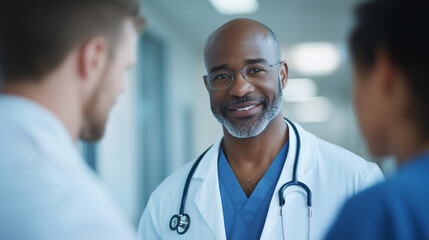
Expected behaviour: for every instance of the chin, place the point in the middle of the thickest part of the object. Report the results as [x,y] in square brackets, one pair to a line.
[93,133]
[91,137]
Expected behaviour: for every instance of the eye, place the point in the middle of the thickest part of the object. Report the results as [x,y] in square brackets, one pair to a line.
[255,69]
[219,77]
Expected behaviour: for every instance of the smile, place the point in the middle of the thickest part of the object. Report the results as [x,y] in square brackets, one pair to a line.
[245,109]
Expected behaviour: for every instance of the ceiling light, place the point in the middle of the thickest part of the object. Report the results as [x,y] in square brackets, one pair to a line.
[299,89]
[228,7]
[315,109]
[315,58]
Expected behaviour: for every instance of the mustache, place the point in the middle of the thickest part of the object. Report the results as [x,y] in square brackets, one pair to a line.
[245,99]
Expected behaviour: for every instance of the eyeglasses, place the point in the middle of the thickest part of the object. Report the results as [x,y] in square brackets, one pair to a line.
[254,73]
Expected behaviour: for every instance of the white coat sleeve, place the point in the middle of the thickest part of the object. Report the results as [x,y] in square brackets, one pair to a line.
[148,227]
[374,176]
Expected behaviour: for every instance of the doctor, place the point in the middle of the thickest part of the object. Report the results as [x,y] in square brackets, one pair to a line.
[62,65]
[234,191]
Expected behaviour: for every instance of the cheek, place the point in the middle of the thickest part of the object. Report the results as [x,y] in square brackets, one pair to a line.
[358,100]
[111,87]
[217,98]
[370,117]
[116,80]
[362,108]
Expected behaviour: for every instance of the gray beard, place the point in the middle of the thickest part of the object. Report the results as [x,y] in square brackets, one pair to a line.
[251,128]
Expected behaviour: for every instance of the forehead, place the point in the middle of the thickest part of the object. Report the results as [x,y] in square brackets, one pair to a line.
[234,45]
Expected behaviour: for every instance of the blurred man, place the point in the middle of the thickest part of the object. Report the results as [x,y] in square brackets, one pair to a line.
[238,188]
[63,65]
[390,53]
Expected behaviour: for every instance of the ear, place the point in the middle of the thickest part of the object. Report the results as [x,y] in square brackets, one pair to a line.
[384,72]
[283,74]
[93,58]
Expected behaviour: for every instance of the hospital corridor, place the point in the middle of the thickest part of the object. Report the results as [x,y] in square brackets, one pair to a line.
[234,119]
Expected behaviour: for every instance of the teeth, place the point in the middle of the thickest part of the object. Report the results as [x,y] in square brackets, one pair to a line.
[245,109]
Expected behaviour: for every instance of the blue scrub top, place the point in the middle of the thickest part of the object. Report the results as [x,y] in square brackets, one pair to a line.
[245,217]
[396,209]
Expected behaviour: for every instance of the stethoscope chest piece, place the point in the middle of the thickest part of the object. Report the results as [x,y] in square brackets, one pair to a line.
[180,223]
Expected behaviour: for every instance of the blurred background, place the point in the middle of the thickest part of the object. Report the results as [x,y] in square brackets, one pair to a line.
[164,119]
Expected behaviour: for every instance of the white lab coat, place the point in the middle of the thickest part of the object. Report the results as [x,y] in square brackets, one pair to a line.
[46,190]
[332,173]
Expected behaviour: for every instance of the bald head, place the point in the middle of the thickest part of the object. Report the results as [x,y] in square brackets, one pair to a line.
[245,104]
[240,34]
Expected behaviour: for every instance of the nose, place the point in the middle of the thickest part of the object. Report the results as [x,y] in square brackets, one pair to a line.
[240,86]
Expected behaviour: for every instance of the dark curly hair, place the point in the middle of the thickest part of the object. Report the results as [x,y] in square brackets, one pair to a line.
[401,28]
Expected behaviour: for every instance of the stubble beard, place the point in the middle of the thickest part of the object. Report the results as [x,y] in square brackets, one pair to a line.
[248,128]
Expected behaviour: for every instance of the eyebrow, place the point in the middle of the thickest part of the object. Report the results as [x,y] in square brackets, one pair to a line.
[216,68]
[256,60]
[247,61]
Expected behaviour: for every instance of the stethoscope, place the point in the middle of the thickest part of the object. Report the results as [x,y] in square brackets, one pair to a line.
[180,222]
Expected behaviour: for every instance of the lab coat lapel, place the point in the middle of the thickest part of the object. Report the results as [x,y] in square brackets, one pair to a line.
[207,199]
[273,221]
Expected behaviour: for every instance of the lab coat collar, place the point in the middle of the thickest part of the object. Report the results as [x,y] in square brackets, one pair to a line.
[207,198]
[50,130]
[305,169]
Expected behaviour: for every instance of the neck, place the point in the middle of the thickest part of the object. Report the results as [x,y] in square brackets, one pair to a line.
[408,143]
[258,150]
[56,95]
[250,158]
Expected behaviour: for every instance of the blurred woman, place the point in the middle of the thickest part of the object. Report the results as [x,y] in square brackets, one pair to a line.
[390,54]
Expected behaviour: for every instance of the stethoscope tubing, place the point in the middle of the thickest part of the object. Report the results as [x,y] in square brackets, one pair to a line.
[294,182]
[188,181]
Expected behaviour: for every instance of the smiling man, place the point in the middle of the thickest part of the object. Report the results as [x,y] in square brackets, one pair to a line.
[235,189]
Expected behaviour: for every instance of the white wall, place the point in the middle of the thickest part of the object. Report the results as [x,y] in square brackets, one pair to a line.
[186,89]
[117,162]
[207,128]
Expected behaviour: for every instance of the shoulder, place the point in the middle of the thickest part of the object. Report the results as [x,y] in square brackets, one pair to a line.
[174,184]
[372,198]
[382,204]
[338,161]
[164,202]
[335,154]
[363,216]
[161,199]
[392,208]
[41,185]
